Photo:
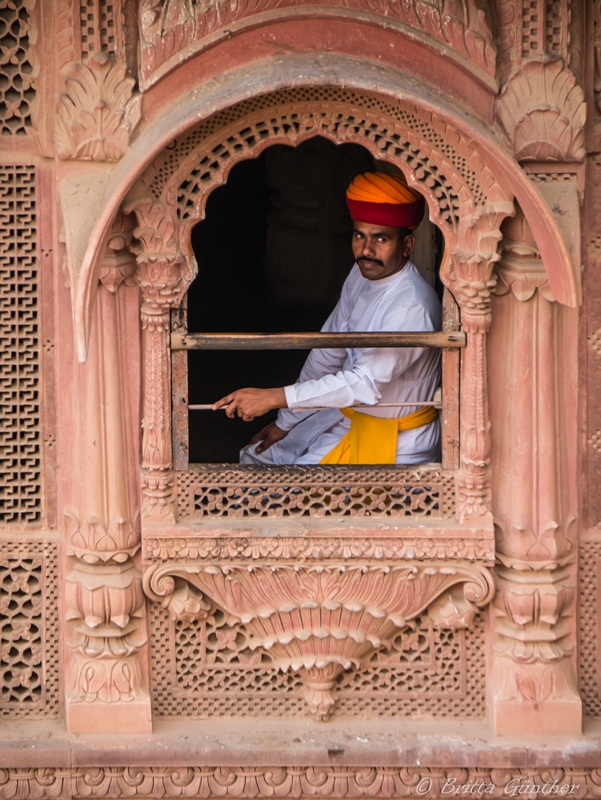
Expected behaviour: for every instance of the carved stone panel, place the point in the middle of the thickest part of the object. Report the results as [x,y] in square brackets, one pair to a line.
[173,27]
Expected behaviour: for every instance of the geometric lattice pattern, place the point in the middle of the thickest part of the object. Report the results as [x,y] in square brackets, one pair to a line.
[29,650]
[530,21]
[589,668]
[595,341]
[20,437]
[316,491]
[298,120]
[189,190]
[595,441]
[97,19]
[553,26]
[17,92]
[208,669]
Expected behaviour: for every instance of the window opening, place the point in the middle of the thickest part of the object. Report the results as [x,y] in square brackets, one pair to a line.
[273,252]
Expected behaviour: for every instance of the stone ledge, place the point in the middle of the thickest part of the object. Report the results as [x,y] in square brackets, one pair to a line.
[279,743]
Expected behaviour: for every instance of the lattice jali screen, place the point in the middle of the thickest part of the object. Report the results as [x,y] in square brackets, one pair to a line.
[277,123]
[321,491]
[29,645]
[98,34]
[20,422]
[207,668]
[17,87]
[589,619]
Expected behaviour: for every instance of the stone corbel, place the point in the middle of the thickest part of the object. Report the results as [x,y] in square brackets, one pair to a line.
[321,620]
[163,274]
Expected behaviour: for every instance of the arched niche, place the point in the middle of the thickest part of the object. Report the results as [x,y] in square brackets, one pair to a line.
[87,238]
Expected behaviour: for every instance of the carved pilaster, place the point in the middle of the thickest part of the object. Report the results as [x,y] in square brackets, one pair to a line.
[471,278]
[105,608]
[163,274]
[531,670]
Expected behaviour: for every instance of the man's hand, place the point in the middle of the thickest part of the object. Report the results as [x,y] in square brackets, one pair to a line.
[251,403]
[268,436]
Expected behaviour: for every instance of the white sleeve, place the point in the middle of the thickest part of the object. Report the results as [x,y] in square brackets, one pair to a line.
[320,363]
[374,369]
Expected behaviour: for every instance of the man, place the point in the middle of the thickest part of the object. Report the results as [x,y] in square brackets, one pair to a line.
[383,292]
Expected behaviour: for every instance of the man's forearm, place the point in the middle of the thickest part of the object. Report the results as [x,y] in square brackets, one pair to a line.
[250,403]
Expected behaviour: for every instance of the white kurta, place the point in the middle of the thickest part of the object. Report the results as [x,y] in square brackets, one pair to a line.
[339,378]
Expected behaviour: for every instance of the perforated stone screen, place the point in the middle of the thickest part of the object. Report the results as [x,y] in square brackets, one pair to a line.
[20,421]
[29,647]
[208,669]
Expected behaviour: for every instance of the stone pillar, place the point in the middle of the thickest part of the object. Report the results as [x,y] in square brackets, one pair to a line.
[107,687]
[163,274]
[532,685]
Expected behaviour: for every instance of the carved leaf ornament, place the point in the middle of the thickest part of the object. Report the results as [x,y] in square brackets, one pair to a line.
[542,110]
[98,113]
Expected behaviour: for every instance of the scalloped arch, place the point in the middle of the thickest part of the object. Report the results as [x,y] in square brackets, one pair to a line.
[499,174]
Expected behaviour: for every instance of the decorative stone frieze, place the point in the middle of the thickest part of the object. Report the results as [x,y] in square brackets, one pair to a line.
[297,781]
[99,111]
[170,30]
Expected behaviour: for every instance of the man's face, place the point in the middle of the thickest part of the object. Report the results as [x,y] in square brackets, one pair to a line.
[379,250]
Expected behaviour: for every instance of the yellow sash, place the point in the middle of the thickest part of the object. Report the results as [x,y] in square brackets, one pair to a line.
[373,440]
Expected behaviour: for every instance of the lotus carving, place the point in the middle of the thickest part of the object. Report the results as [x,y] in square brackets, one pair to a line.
[321,620]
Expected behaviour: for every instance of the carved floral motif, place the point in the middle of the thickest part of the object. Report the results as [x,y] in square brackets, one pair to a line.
[167,28]
[542,110]
[323,619]
[295,781]
[249,546]
[98,113]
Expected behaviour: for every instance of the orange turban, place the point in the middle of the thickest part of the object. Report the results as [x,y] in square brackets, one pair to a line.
[382,199]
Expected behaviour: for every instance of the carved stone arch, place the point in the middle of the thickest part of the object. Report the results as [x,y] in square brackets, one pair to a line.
[464,199]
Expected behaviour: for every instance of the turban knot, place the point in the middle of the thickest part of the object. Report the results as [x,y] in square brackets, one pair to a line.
[382,199]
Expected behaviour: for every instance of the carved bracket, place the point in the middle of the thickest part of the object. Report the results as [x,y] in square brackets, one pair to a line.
[321,620]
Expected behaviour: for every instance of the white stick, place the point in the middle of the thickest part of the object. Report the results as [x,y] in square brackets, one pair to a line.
[433,403]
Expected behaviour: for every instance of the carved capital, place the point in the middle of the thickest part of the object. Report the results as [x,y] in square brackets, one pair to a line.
[321,620]
[119,262]
[532,608]
[521,270]
[98,112]
[542,111]
[94,540]
[107,598]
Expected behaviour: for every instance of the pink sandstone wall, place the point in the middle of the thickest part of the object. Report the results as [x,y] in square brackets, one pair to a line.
[170,630]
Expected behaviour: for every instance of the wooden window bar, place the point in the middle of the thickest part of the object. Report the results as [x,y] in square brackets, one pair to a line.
[451,340]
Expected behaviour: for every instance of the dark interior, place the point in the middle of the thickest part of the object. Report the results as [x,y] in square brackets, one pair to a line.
[273,252]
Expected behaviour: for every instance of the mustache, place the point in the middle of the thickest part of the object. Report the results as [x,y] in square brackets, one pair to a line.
[370,261]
